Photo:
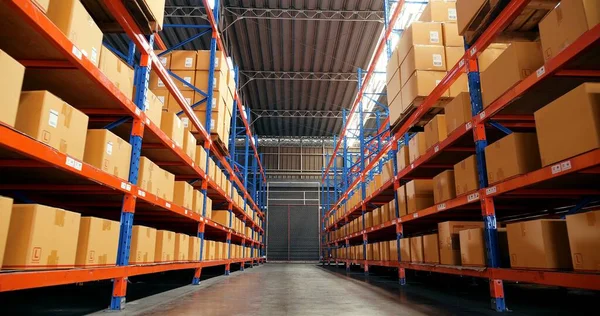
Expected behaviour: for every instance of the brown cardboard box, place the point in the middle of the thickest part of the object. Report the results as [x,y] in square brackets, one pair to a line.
[452,38]
[165,60]
[171,125]
[393,244]
[194,249]
[206,250]
[472,247]
[165,246]
[197,202]
[118,72]
[369,255]
[419,86]
[443,187]
[162,94]
[490,55]
[466,177]
[392,69]
[146,176]
[402,158]
[369,219]
[108,152]
[419,195]
[10,88]
[512,155]
[435,130]
[183,60]
[219,81]
[200,157]
[563,25]
[458,112]
[222,217]
[416,249]
[376,251]
[156,84]
[466,10]
[393,87]
[189,143]
[98,242]
[5,213]
[439,11]
[416,146]
[153,107]
[419,33]
[516,63]
[157,9]
[449,240]
[539,244]
[573,121]
[384,248]
[188,76]
[431,253]
[584,240]
[52,121]
[402,206]
[460,85]
[182,247]
[173,106]
[74,21]
[143,245]
[395,107]
[453,56]
[422,57]
[164,184]
[203,60]
[183,194]
[41,237]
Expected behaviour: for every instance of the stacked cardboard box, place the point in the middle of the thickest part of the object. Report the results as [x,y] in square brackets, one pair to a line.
[419,195]
[153,179]
[108,152]
[97,243]
[513,155]
[10,88]
[539,244]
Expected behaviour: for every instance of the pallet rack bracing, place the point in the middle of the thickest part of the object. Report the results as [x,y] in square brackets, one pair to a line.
[66,182]
[567,66]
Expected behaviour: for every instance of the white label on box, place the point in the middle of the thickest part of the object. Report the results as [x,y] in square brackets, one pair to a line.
[188,62]
[109,148]
[188,79]
[540,72]
[185,121]
[452,14]
[73,163]
[163,61]
[473,197]
[434,37]
[437,61]
[53,118]
[491,190]
[76,52]
[565,165]
[161,98]
[94,56]
[160,83]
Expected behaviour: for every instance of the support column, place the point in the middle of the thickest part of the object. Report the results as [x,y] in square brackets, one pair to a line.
[198,271]
[399,235]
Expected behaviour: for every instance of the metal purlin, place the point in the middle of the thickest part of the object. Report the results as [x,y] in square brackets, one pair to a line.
[141,77]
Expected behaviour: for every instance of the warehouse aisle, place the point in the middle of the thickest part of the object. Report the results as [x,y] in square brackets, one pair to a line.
[298,289]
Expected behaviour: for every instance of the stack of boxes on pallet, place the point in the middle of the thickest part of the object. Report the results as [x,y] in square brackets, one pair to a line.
[193,68]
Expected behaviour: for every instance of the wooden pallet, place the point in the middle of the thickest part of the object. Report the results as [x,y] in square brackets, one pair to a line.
[525,26]
[139,10]
[433,111]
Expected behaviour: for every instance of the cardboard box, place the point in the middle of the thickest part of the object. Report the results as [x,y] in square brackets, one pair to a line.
[539,244]
[183,60]
[164,184]
[416,249]
[165,60]
[42,4]
[153,107]
[171,125]
[453,56]
[431,250]
[157,9]
[183,194]
[200,157]
[165,246]
[449,240]
[219,81]
[512,155]
[182,247]
[396,108]
[222,217]
[439,11]
[452,38]
[173,106]
[156,84]
[393,244]
[472,247]
[74,21]
[208,208]
[516,63]
[108,152]
[490,55]
[118,72]
[458,112]
[197,202]
[143,245]
[41,237]
[369,255]
[384,248]
[391,70]
[443,187]
[466,11]
[402,158]
[419,195]
[419,33]
[419,86]
[5,213]
[584,240]
[466,177]
[162,94]
[146,176]
[376,255]
[203,60]
[188,76]
[416,147]
[189,143]
[422,57]
[98,242]
[10,88]
[563,25]
[194,249]
[435,131]
[52,121]
[573,121]
[393,87]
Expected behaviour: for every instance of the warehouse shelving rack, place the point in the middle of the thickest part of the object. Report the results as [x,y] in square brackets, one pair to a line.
[36,173]
[557,76]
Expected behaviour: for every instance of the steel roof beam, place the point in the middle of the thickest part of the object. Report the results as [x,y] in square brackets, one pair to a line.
[299,75]
[307,14]
[172,11]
